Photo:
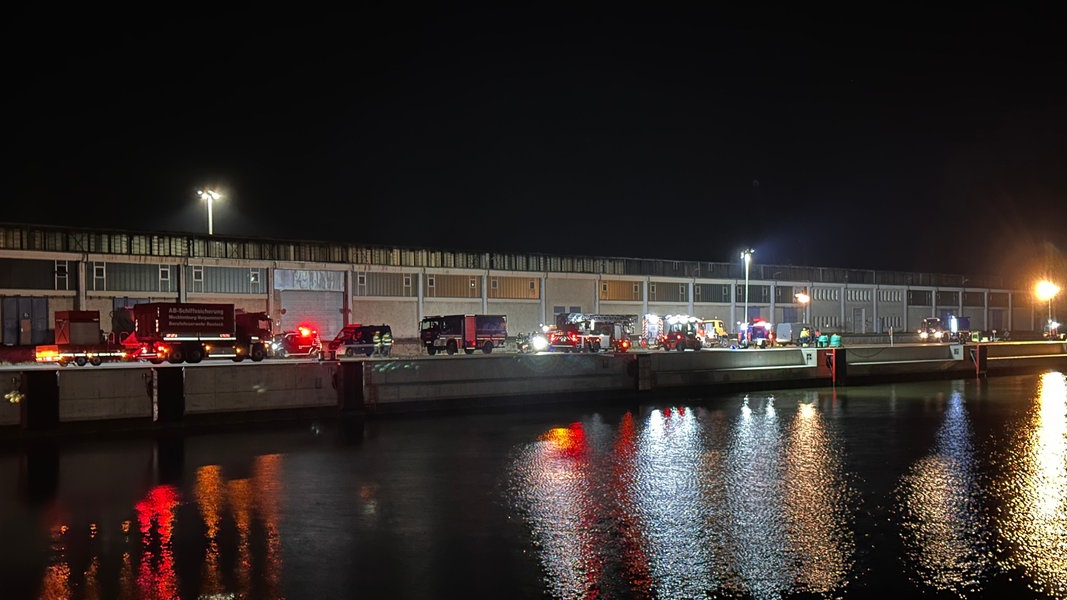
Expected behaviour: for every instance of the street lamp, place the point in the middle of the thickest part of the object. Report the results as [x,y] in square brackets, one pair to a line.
[746,257]
[209,196]
[1046,290]
[803,298]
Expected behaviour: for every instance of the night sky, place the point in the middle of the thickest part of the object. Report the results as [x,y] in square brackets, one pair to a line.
[912,141]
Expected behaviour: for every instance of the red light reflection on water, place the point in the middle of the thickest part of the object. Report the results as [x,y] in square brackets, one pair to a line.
[147,566]
[155,516]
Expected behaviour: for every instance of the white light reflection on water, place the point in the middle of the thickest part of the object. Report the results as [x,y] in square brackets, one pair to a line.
[941,514]
[691,503]
[672,484]
[1034,492]
[756,524]
[819,504]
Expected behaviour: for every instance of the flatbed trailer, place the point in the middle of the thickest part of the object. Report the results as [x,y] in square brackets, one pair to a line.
[80,341]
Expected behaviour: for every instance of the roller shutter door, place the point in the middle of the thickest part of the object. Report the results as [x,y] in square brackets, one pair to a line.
[321,310]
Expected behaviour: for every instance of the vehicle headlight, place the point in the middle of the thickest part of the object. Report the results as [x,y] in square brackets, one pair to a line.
[538,342]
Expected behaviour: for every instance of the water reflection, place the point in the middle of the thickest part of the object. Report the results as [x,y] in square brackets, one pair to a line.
[941,515]
[698,503]
[148,566]
[669,504]
[1034,492]
[819,503]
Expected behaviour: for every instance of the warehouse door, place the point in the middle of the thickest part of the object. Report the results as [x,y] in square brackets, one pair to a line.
[26,321]
[319,310]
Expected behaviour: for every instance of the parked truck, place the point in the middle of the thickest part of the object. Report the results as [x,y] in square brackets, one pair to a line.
[80,339]
[593,332]
[680,332]
[189,332]
[713,334]
[452,333]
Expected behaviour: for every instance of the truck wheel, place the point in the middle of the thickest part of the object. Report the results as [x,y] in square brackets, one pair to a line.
[176,356]
[156,361]
[487,348]
[257,354]
[451,348]
[680,346]
[95,361]
[431,350]
[80,361]
[468,350]
[195,355]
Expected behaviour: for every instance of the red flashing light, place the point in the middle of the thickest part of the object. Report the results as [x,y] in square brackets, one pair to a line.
[305,331]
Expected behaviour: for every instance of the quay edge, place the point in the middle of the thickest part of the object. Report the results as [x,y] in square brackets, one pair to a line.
[71,400]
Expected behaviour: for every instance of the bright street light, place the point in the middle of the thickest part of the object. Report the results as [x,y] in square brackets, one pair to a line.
[746,257]
[1046,290]
[803,298]
[209,196]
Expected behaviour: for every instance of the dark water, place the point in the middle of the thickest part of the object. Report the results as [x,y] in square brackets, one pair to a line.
[934,489]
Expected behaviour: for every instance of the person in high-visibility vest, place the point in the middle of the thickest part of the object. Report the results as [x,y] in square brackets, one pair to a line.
[377,341]
[387,343]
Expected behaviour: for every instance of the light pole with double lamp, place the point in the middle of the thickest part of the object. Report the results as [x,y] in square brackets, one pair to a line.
[209,196]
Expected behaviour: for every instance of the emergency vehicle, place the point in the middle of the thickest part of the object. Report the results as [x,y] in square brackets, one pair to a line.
[591,332]
[713,334]
[304,342]
[681,332]
[452,333]
[931,330]
[757,334]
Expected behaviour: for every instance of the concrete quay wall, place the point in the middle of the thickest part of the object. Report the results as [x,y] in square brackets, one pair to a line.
[51,399]
[400,385]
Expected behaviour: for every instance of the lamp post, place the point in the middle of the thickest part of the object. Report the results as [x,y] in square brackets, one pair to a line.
[209,196]
[803,298]
[1046,290]
[746,258]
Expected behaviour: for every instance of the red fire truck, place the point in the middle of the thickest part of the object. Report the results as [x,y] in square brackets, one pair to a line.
[452,333]
[190,332]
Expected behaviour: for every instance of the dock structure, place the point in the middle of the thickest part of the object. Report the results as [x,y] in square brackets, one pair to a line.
[44,400]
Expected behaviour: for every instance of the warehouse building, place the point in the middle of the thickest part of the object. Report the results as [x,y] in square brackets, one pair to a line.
[44,269]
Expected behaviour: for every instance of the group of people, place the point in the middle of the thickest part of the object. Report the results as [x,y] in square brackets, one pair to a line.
[383,343]
[809,337]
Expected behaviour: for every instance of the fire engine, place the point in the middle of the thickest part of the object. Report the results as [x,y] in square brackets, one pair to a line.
[680,332]
[591,333]
[452,333]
